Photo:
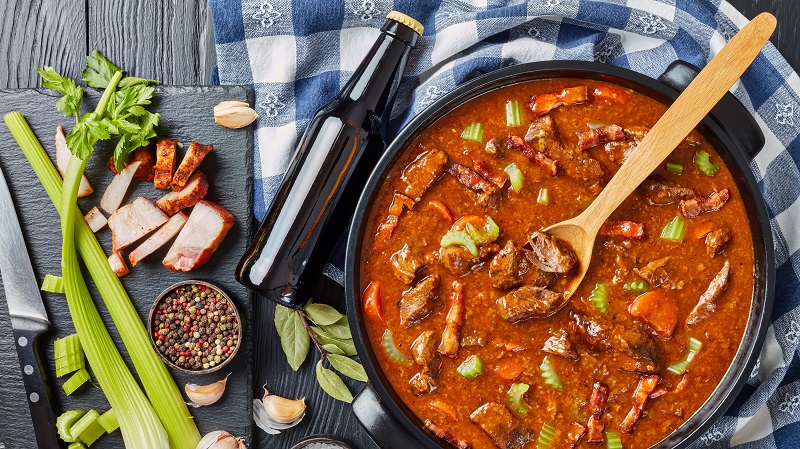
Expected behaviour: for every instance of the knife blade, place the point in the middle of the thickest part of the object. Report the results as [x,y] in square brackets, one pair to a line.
[28,317]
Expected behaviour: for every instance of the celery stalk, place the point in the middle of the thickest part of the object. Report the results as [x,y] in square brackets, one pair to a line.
[156,380]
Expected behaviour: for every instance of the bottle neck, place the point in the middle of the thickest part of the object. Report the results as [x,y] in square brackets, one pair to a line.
[374,82]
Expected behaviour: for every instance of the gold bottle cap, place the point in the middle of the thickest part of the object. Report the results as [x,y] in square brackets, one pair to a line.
[397,16]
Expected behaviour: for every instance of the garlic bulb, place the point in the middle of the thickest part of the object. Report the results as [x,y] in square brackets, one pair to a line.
[274,413]
[234,114]
[205,394]
[220,439]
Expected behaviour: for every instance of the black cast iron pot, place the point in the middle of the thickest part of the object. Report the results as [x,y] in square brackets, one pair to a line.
[729,127]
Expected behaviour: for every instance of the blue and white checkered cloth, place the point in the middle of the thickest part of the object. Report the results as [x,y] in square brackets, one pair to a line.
[298,54]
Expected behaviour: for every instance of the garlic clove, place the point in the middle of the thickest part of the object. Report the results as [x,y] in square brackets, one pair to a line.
[220,439]
[201,395]
[234,114]
[284,410]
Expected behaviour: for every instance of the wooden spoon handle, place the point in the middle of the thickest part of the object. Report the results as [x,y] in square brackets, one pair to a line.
[682,117]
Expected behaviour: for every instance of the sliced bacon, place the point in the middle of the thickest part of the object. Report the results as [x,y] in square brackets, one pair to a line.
[159,238]
[646,385]
[63,155]
[693,207]
[487,192]
[706,305]
[95,219]
[146,169]
[544,103]
[191,160]
[118,187]
[165,163]
[195,190]
[537,157]
[386,228]
[575,434]
[597,405]
[202,234]
[624,228]
[447,436]
[133,221]
[455,319]
[117,263]
[610,93]
[605,134]
[495,177]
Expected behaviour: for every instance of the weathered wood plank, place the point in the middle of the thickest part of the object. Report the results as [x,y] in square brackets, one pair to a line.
[34,33]
[167,40]
[788,31]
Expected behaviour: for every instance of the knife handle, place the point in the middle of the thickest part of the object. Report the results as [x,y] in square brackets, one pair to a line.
[26,335]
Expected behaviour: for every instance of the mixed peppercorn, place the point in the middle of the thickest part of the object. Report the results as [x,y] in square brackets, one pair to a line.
[195,327]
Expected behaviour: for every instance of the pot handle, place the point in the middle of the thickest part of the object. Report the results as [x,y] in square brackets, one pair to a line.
[735,120]
[379,423]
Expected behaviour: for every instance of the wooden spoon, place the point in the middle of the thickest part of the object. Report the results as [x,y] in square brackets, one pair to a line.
[679,120]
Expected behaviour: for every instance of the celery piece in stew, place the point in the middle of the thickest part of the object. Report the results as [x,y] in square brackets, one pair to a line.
[675,230]
[692,348]
[544,197]
[513,113]
[515,394]
[599,297]
[549,374]
[461,238]
[546,437]
[473,132]
[613,441]
[674,167]
[471,368]
[703,161]
[387,341]
[636,287]
[515,176]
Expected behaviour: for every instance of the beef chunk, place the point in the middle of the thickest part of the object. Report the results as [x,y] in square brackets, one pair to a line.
[597,405]
[707,305]
[447,436]
[560,344]
[459,261]
[717,240]
[646,385]
[388,225]
[405,265]
[574,435]
[494,147]
[654,272]
[508,267]
[422,383]
[418,301]
[633,349]
[698,205]
[424,352]
[420,174]
[504,429]
[494,176]
[543,137]
[663,193]
[605,134]
[549,255]
[528,302]
[488,193]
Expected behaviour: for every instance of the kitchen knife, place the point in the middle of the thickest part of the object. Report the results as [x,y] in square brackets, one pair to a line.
[28,317]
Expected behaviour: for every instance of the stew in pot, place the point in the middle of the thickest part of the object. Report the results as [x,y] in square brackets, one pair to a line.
[462,291]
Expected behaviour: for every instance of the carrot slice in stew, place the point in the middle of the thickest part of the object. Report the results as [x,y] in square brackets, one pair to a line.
[610,93]
[373,307]
[544,103]
[625,228]
[508,369]
[445,408]
[441,209]
[657,311]
[474,220]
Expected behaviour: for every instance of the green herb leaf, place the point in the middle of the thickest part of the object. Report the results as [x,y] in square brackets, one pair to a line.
[339,329]
[348,367]
[295,341]
[332,349]
[323,314]
[333,384]
[345,344]
[72,95]
[98,71]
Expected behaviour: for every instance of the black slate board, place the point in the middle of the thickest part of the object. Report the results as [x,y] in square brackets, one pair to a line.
[186,115]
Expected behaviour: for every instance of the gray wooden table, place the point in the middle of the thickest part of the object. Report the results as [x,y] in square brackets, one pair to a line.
[172,41]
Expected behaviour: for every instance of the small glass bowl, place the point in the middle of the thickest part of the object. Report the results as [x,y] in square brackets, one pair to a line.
[150,330]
